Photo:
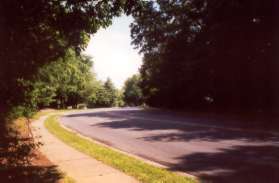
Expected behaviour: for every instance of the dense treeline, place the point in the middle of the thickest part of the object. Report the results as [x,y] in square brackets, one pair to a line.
[62,83]
[69,82]
[204,54]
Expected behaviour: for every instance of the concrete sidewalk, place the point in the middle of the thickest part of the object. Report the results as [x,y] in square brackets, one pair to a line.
[75,164]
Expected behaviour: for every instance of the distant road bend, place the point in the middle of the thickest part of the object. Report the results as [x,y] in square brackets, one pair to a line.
[197,145]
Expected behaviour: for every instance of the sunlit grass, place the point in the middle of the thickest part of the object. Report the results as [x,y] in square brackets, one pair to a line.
[139,169]
[68,179]
[41,113]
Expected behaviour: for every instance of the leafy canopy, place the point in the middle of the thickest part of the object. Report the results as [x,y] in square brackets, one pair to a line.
[36,32]
[209,53]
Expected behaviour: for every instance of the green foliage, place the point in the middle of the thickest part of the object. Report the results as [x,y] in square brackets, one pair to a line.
[119,99]
[104,95]
[61,83]
[207,54]
[111,92]
[103,98]
[132,94]
[37,32]
[69,77]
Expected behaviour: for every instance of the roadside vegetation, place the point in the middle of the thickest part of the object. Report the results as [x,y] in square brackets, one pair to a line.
[132,92]
[207,55]
[69,82]
[142,171]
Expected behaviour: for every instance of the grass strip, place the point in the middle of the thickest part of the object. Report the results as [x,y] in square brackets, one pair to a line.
[41,113]
[142,171]
[68,179]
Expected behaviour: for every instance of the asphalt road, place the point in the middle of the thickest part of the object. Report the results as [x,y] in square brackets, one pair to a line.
[205,147]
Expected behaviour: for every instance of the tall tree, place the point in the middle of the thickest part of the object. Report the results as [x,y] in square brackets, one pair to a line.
[201,53]
[111,92]
[132,94]
[68,78]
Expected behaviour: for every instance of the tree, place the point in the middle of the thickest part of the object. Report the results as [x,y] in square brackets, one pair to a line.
[119,99]
[111,92]
[68,79]
[100,97]
[36,32]
[209,54]
[104,95]
[132,94]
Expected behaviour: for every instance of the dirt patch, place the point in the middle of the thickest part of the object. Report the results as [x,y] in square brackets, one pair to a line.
[28,165]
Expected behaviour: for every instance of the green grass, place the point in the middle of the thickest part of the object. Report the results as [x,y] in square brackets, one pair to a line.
[67,179]
[139,169]
[41,113]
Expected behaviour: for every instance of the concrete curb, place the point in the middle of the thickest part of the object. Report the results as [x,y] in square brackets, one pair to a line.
[123,152]
[82,168]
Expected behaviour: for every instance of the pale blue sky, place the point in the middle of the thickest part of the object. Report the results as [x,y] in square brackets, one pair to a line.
[112,52]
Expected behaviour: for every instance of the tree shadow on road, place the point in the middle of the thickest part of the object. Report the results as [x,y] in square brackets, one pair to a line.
[184,130]
[177,132]
[256,121]
[239,164]
[256,160]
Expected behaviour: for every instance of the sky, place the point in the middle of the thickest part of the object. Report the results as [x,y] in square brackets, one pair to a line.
[112,52]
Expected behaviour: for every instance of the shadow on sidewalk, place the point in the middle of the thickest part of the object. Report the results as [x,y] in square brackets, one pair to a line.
[30,174]
[21,161]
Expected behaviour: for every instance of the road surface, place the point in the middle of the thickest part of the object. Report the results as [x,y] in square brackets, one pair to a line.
[199,146]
